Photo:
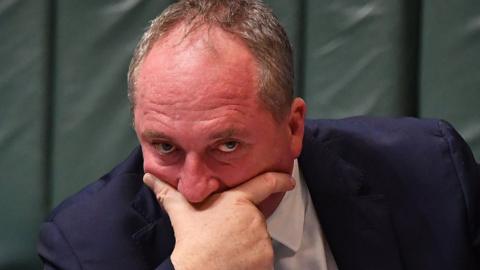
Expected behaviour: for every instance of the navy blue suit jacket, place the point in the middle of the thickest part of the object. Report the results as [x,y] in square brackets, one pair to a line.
[390,195]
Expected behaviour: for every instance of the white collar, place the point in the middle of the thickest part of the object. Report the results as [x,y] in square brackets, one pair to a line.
[285,225]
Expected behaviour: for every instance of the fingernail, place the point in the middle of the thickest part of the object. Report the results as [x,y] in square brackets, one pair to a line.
[293,180]
[147,177]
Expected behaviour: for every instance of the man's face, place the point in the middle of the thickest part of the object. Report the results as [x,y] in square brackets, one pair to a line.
[199,120]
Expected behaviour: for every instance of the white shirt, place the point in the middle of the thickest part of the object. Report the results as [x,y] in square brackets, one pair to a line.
[297,237]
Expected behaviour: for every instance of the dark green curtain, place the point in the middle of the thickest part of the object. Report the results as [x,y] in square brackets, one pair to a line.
[64,116]
[24,80]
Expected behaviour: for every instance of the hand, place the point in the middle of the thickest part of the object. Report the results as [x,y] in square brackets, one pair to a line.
[226,231]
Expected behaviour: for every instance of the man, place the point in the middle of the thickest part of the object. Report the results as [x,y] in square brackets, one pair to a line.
[210,86]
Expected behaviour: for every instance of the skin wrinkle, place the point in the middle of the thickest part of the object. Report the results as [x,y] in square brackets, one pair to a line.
[210,107]
[170,98]
[166,120]
[207,108]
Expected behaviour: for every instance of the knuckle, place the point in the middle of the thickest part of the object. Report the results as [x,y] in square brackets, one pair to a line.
[238,199]
[269,255]
[257,218]
[271,180]
[234,196]
[162,195]
[266,253]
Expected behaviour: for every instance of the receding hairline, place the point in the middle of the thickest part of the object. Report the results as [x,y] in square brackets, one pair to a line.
[191,35]
[256,25]
[193,32]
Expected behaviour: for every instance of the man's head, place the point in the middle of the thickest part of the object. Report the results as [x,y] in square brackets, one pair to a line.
[250,21]
[208,111]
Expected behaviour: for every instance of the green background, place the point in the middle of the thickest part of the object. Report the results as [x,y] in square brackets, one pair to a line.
[64,117]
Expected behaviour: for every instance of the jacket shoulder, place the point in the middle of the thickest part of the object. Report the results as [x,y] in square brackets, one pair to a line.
[130,168]
[93,227]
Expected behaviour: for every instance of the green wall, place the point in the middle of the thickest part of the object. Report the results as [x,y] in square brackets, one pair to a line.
[64,117]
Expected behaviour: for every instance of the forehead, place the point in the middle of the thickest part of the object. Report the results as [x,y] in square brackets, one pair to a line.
[207,62]
[200,84]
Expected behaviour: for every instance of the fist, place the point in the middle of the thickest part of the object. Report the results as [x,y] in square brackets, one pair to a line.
[227,230]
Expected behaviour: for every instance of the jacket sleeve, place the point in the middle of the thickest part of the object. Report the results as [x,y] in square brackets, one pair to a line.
[57,254]
[477,236]
[166,265]
[468,174]
[54,250]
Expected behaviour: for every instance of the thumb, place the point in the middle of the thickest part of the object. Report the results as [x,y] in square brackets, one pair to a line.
[167,196]
[259,188]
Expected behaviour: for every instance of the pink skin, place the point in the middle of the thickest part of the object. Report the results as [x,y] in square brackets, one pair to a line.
[199,121]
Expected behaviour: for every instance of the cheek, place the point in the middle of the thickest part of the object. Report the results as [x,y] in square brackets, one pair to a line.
[235,174]
[231,179]
[272,154]
[167,174]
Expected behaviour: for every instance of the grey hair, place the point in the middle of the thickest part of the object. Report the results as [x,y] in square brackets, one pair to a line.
[251,21]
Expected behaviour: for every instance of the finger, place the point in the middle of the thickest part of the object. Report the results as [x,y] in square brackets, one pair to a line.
[167,196]
[259,188]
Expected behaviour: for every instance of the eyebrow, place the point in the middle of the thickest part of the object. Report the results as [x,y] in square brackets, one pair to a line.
[228,133]
[156,134]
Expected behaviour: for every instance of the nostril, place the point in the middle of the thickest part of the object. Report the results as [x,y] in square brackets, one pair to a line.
[193,191]
[197,191]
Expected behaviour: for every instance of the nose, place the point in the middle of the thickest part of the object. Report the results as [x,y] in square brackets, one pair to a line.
[196,181]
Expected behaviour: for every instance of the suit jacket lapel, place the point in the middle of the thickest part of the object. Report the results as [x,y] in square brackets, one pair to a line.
[155,237]
[152,231]
[356,223]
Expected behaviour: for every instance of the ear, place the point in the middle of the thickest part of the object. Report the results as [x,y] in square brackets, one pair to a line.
[296,123]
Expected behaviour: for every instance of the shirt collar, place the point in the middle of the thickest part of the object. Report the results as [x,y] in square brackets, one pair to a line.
[285,225]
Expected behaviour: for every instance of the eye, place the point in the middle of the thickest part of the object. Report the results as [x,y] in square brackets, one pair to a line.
[228,146]
[165,148]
